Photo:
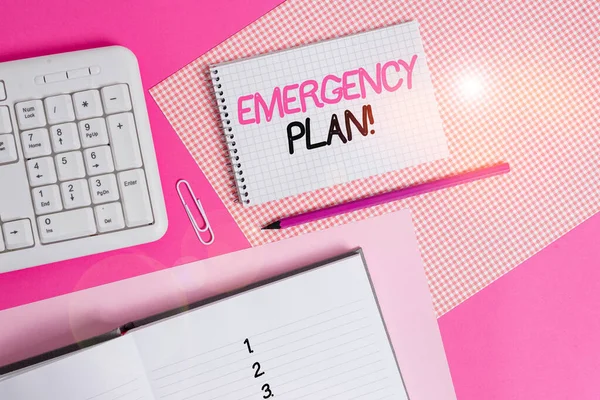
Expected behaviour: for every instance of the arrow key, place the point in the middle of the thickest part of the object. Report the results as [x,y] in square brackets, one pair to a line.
[64,137]
[75,194]
[98,160]
[41,171]
[18,234]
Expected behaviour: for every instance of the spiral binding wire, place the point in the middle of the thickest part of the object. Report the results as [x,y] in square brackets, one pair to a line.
[241,194]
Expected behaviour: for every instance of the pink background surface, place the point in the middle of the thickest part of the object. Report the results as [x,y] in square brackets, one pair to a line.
[164,38]
[535,332]
[530,335]
[394,265]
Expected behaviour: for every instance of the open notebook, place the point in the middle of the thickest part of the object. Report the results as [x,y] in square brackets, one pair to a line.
[314,334]
[328,113]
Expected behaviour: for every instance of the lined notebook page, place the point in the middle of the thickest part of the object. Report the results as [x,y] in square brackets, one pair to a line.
[317,335]
[109,371]
[405,129]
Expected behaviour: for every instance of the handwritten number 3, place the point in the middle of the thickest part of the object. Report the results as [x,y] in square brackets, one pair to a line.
[267,391]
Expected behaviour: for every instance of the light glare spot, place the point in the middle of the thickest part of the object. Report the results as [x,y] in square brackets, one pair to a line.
[471,87]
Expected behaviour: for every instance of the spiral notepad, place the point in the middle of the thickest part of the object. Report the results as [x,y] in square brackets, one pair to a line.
[328,113]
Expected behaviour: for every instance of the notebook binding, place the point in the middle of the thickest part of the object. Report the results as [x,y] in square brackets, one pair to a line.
[239,182]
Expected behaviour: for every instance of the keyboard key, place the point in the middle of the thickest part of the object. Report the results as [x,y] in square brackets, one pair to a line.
[64,137]
[18,234]
[30,114]
[66,225]
[69,166]
[87,104]
[75,194]
[2,91]
[8,150]
[104,189]
[36,143]
[109,217]
[136,201]
[2,247]
[59,109]
[116,98]
[93,132]
[124,141]
[5,125]
[46,199]
[98,160]
[41,171]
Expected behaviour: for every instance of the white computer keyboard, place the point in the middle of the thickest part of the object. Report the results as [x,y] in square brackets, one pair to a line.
[78,171]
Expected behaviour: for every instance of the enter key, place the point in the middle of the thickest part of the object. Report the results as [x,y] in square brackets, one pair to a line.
[135,197]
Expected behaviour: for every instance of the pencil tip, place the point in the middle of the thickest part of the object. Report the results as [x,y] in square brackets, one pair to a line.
[273,225]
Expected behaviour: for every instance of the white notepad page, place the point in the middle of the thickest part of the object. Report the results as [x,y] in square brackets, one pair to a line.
[110,371]
[315,335]
[406,123]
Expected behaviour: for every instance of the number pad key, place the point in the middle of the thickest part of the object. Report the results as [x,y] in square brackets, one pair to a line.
[36,143]
[59,109]
[104,189]
[30,114]
[64,137]
[136,199]
[66,225]
[75,194]
[41,171]
[70,166]
[87,104]
[93,132]
[109,217]
[46,199]
[98,160]
[124,141]
[116,98]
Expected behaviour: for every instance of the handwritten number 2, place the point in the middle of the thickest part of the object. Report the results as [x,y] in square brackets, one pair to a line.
[257,373]
[247,343]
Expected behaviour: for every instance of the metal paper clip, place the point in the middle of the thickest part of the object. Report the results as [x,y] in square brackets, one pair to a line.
[197,229]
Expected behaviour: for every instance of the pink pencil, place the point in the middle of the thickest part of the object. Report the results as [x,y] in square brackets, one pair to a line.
[391,196]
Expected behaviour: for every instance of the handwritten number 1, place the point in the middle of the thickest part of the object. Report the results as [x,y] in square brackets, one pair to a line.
[247,343]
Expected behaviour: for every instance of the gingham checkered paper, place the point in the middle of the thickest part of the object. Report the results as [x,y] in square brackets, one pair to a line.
[536,66]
